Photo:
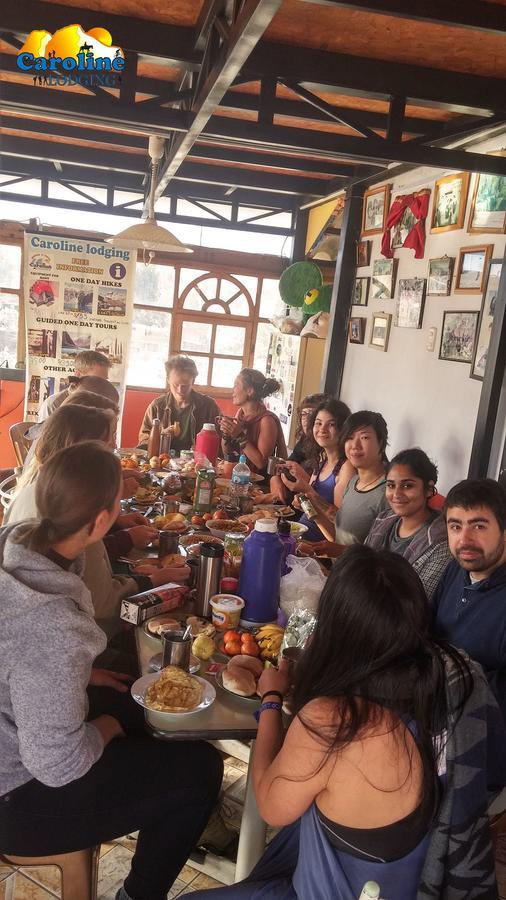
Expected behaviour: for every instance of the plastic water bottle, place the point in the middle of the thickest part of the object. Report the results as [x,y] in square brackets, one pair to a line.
[370,891]
[241,477]
[260,573]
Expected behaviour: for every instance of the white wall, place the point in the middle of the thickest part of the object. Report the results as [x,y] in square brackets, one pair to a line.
[427,402]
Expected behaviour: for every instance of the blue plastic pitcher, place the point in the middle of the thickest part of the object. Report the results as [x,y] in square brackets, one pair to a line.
[260,574]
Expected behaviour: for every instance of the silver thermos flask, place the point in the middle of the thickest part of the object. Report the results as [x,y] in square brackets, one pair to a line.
[209,576]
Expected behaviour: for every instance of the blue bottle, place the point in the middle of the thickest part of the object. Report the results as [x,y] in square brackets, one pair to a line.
[260,574]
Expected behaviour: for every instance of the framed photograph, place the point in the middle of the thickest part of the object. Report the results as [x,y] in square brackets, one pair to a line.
[374,210]
[488,206]
[472,265]
[450,198]
[356,330]
[380,331]
[360,292]
[440,276]
[384,272]
[363,253]
[458,336]
[410,302]
[402,229]
[486,319]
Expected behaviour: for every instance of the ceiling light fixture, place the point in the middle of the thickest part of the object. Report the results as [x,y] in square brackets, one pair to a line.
[147,235]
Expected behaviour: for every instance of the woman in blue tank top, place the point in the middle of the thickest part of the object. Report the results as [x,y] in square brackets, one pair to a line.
[331,472]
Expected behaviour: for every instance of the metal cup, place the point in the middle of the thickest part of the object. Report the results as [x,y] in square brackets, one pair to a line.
[167,543]
[170,506]
[292,655]
[176,651]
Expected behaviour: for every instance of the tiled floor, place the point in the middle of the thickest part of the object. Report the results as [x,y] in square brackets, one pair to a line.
[44,882]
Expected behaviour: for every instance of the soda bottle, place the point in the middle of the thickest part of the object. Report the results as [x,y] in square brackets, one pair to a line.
[241,477]
[307,507]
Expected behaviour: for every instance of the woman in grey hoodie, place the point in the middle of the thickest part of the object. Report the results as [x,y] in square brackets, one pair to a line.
[76,767]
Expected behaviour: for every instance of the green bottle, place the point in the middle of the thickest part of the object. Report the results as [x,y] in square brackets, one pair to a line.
[204,490]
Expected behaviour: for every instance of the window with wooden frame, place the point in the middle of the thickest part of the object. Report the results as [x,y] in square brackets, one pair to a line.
[10,289]
[219,318]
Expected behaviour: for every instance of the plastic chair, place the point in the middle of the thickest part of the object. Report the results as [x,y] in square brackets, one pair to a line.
[19,440]
[6,488]
[79,870]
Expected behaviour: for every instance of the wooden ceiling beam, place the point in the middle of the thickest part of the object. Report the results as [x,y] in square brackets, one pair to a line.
[322,70]
[360,150]
[236,177]
[253,19]
[139,35]
[31,148]
[487,17]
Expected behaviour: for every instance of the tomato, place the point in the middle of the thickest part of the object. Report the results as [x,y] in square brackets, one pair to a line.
[250,648]
[220,514]
[197,520]
[207,517]
[232,648]
[231,635]
[246,637]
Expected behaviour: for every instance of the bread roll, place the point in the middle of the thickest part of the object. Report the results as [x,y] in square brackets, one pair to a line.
[239,681]
[251,663]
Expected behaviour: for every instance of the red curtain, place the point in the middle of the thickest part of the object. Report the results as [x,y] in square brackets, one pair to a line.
[418,203]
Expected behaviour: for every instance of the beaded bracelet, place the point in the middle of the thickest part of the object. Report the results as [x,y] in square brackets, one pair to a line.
[274,694]
[271,704]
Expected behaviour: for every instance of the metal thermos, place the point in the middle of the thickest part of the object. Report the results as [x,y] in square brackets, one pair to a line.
[209,575]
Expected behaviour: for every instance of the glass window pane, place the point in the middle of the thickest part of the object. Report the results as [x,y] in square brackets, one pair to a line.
[193,300]
[196,336]
[202,363]
[10,265]
[264,332]
[225,371]
[9,316]
[240,306]
[216,308]
[149,348]
[230,340]
[154,285]
[186,276]
[249,282]
[229,288]
[271,303]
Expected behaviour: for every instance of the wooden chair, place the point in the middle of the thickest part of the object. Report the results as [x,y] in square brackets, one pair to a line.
[79,870]
[19,440]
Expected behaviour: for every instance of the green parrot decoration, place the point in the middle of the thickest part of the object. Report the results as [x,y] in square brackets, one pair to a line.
[301,285]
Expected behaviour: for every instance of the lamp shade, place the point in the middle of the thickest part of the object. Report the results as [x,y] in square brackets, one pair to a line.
[147,235]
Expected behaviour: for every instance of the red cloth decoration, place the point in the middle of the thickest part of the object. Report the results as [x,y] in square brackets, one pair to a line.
[418,203]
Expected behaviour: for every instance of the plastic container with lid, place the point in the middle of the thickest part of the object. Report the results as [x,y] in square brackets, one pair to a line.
[226,611]
[208,442]
[261,573]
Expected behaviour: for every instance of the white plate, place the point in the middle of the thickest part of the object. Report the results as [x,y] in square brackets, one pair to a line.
[140,687]
[251,698]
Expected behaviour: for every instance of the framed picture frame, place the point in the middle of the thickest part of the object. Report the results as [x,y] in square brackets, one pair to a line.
[384,272]
[449,205]
[356,329]
[363,253]
[375,209]
[380,331]
[401,230]
[458,335]
[486,318]
[360,292]
[439,280]
[488,206]
[410,303]
[472,266]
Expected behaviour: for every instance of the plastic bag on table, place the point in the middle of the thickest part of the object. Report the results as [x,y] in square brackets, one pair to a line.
[302,586]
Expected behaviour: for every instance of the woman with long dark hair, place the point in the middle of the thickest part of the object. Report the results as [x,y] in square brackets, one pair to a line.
[377,706]
[305,448]
[331,472]
[410,527]
[77,765]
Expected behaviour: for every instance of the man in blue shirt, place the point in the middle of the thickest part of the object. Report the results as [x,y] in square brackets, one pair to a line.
[470,600]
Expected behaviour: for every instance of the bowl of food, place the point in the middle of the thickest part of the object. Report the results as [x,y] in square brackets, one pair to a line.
[297,529]
[220,527]
[171,693]
[198,537]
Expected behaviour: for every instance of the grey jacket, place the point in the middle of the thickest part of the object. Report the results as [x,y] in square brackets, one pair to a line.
[48,641]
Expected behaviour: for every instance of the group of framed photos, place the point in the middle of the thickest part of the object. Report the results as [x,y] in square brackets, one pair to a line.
[465,334]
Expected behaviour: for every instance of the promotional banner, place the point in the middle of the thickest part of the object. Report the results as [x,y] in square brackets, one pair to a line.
[78,296]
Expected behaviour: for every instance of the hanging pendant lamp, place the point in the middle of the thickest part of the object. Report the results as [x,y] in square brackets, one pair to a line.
[148,235]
